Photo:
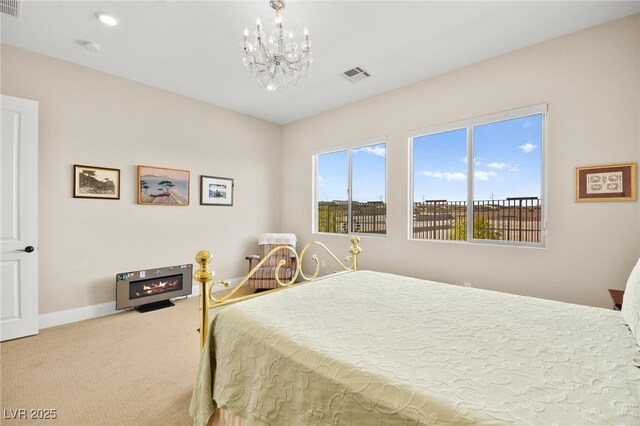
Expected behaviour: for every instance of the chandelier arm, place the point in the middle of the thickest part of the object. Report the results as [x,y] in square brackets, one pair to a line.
[262,64]
[266,53]
[292,63]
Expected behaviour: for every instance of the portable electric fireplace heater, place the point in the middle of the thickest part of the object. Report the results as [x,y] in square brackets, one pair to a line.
[152,289]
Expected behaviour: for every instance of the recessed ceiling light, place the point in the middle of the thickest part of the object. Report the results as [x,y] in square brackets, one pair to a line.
[107,19]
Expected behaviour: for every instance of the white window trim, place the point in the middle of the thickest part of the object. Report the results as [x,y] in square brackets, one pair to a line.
[347,147]
[484,119]
[468,124]
[363,143]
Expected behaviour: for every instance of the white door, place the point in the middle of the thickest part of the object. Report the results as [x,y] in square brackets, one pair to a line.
[18,218]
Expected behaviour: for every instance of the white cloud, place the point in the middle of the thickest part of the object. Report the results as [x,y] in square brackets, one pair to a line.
[378,150]
[503,166]
[499,166]
[527,147]
[449,176]
[322,181]
[477,161]
[482,175]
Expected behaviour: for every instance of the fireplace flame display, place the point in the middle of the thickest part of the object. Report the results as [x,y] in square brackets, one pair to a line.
[154,286]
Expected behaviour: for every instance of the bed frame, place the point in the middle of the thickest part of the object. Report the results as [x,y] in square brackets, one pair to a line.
[205,276]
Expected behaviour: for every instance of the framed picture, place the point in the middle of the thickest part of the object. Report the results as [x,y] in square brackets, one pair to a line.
[96,182]
[216,191]
[162,186]
[611,182]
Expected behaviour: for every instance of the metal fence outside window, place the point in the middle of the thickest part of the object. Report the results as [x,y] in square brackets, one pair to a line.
[510,219]
[367,218]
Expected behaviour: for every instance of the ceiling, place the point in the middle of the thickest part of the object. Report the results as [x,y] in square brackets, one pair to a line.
[193,48]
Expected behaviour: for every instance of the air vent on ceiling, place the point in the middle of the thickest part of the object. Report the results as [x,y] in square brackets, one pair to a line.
[10,7]
[356,74]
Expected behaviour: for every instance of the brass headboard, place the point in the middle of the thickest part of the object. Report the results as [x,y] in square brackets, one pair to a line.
[205,276]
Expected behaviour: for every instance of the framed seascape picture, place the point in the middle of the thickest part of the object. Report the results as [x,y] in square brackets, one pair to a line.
[611,182]
[216,191]
[162,186]
[96,182]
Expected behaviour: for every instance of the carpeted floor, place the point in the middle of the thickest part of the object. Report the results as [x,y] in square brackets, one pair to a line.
[123,369]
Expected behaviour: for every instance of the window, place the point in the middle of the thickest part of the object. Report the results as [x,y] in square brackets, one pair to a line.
[503,203]
[350,190]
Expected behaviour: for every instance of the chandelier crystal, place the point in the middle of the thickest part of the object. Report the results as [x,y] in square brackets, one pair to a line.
[278,61]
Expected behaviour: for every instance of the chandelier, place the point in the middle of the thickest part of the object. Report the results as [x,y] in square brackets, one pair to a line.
[276,62]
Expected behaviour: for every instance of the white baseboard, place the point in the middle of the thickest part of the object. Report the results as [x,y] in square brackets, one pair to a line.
[77,314]
[68,316]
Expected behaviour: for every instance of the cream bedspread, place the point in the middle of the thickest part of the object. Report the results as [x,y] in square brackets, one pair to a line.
[379,349]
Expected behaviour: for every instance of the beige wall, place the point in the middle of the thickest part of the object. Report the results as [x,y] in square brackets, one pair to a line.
[590,81]
[91,118]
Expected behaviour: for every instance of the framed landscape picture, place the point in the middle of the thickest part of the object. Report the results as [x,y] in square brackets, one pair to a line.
[216,191]
[611,182]
[162,186]
[96,182]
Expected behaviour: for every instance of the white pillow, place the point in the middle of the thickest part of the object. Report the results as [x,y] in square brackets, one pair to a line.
[631,302]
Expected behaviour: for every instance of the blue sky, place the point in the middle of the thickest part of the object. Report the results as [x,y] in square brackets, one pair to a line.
[332,179]
[368,174]
[507,160]
[507,163]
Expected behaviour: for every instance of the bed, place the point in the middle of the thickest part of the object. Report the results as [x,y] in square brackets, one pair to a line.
[363,347]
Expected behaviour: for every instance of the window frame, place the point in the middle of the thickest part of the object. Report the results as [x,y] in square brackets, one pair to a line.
[469,124]
[349,147]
